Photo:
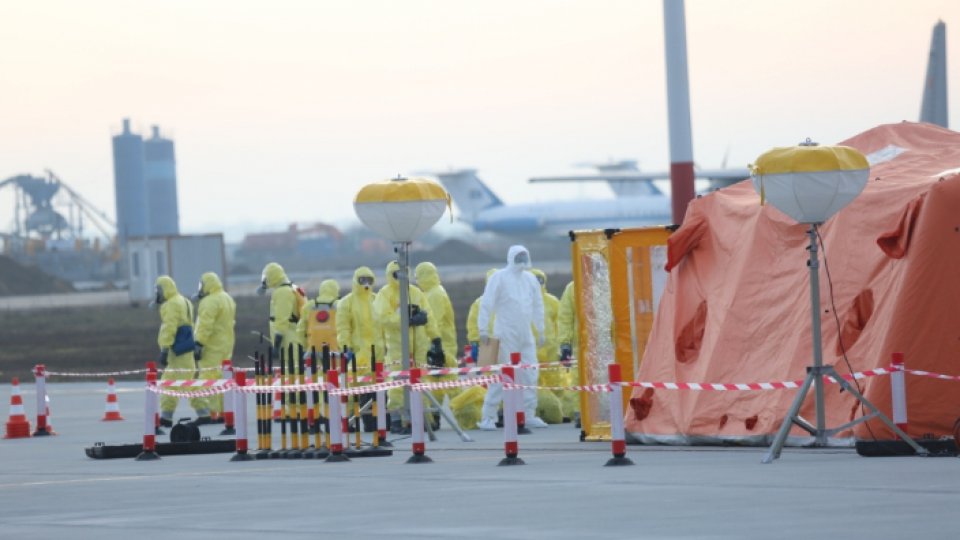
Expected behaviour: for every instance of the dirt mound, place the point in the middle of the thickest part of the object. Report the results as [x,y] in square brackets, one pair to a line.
[16,279]
[453,252]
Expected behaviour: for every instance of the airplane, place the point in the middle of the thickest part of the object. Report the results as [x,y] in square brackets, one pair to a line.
[626,179]
[485,212]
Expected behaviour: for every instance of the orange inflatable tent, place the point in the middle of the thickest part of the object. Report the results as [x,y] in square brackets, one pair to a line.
[737,303]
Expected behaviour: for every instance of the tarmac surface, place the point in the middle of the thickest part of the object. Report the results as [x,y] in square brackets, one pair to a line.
[49,488]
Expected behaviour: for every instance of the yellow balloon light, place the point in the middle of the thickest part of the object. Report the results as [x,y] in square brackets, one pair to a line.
[810,183]
[401,209]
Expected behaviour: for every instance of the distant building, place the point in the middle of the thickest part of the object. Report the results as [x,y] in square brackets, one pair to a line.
[145,183]
[305,243]
[160,176]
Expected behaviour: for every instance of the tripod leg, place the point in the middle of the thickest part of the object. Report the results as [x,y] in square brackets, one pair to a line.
[781,437]
[921,451]
[452,421]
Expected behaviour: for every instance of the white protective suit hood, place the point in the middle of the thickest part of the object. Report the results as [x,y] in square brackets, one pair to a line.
[512,259]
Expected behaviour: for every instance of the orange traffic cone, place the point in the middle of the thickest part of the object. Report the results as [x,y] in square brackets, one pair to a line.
[17,426]
[113,407]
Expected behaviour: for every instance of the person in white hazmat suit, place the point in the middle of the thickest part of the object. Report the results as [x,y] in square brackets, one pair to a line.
[513,297]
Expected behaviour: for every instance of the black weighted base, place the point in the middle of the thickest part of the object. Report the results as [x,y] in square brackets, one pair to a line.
[936,447]
[510,461]
[228,431]
[103,451]
[147,456]
[242,457]
[618,460]
[337,458]
[419,458]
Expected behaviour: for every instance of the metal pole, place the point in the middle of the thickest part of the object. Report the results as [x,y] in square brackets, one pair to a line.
[403,261]
[814,265]
[678,108]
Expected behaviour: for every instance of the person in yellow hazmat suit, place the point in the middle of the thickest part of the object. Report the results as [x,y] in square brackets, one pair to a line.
[284,311]
[441,309]
[568,339]
[214,335]
[358,331]
[176,312]
[549,407]
[424,336]
[466,406]
[318,319]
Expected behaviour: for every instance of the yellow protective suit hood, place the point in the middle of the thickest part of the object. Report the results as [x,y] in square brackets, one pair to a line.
[167,287]
[427,276]
[392,268]
[210,283]
[329,291]
[274,276]
[359,289]
[541,277]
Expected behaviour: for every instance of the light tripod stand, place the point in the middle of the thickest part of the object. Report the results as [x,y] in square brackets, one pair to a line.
[816,375]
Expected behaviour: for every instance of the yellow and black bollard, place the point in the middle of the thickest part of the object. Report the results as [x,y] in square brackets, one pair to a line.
[302,402]
[263,410]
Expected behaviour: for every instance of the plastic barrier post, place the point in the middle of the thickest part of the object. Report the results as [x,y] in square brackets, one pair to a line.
[898,388]
[152,367]
[149,452]
[616,418]
[238,402]
[310,452]
[336,427]
[416,422]
[381,410]
[39,371]
[510,417]
[522,428]
[226,367]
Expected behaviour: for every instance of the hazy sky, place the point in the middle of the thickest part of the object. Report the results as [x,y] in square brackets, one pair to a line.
[282,110]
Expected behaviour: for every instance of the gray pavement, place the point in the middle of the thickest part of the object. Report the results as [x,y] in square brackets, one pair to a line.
[50,489]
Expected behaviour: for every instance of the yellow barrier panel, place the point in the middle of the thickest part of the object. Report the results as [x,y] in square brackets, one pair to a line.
[618,277]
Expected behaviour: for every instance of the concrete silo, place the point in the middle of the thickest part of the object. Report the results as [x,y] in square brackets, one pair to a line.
[129,185]
[160,175]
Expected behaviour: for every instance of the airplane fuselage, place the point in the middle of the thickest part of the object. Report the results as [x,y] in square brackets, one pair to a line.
[562,216]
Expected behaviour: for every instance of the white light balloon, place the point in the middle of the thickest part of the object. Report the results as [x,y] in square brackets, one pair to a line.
[401,209]
[810,183]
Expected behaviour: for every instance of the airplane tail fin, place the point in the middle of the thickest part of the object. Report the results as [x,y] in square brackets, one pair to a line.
[469,193]
[934,107]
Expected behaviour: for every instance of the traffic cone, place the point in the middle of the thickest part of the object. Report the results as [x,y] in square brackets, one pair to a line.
[17,426]
[112,411]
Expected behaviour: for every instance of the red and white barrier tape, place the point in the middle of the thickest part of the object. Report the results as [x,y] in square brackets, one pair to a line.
[476,381]
[922,373]
[195,383]
[200,392]
[370,378]
[95,374]
[781,385]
